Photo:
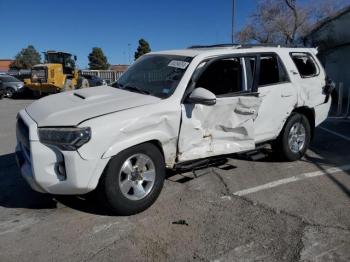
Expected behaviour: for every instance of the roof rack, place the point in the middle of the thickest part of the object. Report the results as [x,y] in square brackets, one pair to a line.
[232,45]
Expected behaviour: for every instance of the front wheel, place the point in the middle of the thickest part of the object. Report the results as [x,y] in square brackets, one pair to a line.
[133,179]
[294,139]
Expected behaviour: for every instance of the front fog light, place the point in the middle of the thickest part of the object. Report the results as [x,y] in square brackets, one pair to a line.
[65,138]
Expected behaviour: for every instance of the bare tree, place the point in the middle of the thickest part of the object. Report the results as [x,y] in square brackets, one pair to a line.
[284,21]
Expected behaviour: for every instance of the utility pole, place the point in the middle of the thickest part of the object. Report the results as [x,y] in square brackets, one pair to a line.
[129,53]
[233,20]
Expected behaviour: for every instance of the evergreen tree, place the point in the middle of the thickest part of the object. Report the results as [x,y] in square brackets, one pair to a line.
[142,49]
[27,58]
[97,59]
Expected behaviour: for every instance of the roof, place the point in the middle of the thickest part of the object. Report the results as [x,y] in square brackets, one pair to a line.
[329,19]
[235,49]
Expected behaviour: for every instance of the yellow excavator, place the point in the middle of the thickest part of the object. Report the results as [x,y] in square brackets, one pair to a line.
[58,73]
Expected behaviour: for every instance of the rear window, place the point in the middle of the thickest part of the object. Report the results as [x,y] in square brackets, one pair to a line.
[305,64]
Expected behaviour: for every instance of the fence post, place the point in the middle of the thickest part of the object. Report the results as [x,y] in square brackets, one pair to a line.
[340,99]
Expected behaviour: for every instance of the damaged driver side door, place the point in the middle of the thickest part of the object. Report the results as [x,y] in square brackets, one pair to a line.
[220,119]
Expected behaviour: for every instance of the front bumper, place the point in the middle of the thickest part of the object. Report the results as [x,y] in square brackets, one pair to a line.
[43,87]
[49,170]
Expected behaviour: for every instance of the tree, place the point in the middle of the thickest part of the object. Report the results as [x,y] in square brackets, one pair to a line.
[284,21]
[97,59]
[142,49]
[27,58]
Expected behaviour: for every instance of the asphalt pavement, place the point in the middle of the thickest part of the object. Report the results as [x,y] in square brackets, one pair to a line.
[237,210]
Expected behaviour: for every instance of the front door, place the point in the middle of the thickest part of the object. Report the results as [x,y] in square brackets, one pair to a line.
[226,127]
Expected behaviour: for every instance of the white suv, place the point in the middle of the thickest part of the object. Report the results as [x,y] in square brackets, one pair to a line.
[170,109]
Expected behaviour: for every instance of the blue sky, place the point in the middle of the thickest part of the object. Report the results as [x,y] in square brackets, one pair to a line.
[77,26]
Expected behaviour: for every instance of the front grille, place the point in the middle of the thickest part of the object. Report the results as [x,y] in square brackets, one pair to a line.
[39,75]
[23,133]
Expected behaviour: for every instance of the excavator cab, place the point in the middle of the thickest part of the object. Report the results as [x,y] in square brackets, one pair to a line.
[65,59]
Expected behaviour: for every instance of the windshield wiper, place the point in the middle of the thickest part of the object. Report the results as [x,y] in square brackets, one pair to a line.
[136,89]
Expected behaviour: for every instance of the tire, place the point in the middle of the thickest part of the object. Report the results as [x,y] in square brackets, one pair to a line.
[121,190]
[10,92]
[68,85]
[83,83]
[294,138]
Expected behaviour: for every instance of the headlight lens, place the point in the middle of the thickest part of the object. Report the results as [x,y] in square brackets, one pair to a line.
[65,138]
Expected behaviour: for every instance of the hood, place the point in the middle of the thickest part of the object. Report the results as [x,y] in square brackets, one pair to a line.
[72,108]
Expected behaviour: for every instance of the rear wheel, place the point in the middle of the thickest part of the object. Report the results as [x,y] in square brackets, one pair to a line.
[10,92]
[133,179]
[83,83]
[294,138]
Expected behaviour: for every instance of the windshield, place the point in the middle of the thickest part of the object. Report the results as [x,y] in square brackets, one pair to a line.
[8,79]
[156,75]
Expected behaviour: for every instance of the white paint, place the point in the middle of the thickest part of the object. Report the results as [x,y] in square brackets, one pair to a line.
[224,128]
[335,133]
[291,180]
[120,119]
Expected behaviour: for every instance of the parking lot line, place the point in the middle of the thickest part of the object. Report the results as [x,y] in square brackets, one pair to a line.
[335,133]
[291,180]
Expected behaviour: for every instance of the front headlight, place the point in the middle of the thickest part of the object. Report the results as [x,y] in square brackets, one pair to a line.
[65,138]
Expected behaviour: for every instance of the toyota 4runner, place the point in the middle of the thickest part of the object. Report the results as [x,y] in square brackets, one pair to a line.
[168,109]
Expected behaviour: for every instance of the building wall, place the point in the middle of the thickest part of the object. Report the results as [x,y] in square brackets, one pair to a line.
[5,64]
[333,40]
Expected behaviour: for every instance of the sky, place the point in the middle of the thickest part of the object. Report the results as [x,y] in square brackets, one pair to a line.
[116,26]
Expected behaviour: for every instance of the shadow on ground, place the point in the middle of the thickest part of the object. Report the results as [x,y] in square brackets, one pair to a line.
[16,193]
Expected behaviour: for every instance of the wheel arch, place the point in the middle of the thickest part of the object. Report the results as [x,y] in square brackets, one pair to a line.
[309,113]
[95,181]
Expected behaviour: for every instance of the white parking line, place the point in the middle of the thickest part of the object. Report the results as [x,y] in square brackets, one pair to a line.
[291,179]
[334,133]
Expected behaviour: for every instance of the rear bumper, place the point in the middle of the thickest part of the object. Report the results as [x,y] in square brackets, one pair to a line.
[322,111]
[49,170]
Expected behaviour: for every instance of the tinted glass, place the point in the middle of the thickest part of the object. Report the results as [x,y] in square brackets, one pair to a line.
[222,77]
[271,70]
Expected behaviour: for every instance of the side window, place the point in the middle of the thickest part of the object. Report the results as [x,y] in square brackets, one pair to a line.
[271,70]
[223,77]
[305,64]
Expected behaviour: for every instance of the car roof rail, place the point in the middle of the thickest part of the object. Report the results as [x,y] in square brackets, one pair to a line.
[233,46]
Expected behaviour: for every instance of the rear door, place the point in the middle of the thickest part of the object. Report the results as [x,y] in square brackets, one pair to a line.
[278,94]
[226,127]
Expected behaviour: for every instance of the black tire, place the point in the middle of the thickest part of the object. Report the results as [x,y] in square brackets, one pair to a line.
[109,189]
[68,85]
[281,145]
[83,83]
[10,92]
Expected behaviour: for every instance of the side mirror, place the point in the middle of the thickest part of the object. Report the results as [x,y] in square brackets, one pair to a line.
[201,96]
